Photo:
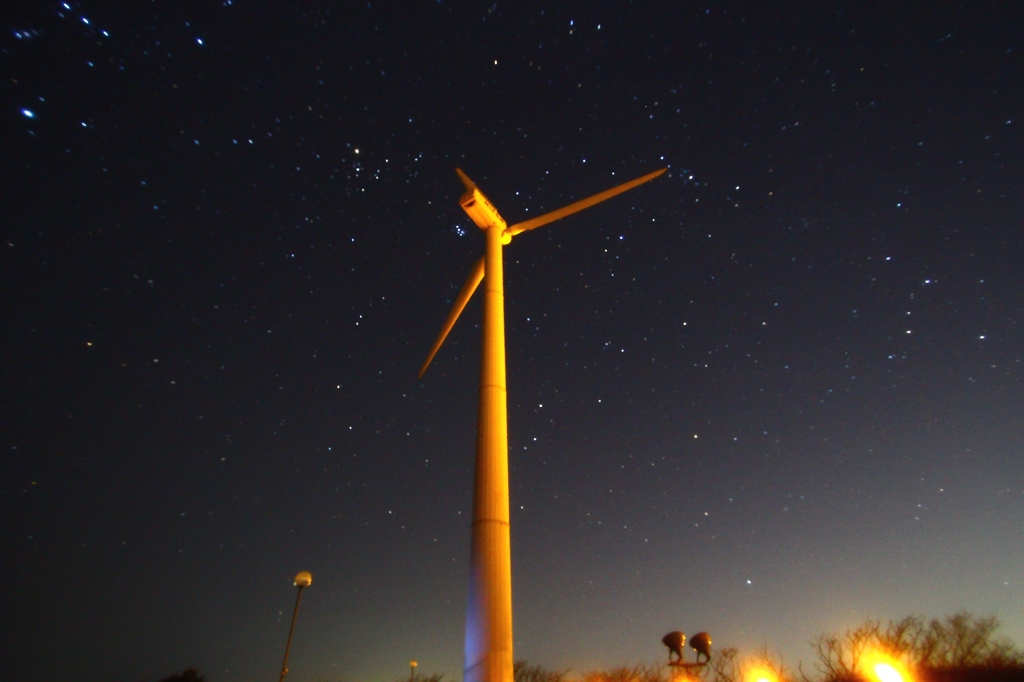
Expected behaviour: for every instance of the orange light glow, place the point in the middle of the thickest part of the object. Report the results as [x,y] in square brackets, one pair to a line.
[878,666]
[887,673]
[759,673]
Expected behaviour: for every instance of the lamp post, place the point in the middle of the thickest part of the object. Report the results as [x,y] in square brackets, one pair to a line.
[412,670]
[303,579]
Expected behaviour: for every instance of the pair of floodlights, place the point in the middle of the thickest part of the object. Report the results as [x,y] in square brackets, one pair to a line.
[676,643]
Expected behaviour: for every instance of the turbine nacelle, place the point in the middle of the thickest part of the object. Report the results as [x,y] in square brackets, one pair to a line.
[479,208]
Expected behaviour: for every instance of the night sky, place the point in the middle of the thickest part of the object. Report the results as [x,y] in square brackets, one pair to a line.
[774,392]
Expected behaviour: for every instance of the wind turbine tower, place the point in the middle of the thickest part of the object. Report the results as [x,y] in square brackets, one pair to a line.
[489,616]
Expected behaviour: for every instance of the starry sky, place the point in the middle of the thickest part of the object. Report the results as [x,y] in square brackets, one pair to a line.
[774,392]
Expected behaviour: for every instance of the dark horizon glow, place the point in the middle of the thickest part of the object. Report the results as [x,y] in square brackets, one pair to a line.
[771,394]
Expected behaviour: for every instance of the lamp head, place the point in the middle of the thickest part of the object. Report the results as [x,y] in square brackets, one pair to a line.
[304,579]
[675,641]
[701,643]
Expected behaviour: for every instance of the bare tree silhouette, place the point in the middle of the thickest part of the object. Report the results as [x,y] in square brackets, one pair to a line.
[933,648]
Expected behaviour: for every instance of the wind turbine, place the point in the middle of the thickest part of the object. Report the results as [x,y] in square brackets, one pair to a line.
[489,616]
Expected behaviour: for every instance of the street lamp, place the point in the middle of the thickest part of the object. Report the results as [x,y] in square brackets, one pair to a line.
[412,670]
[303,579]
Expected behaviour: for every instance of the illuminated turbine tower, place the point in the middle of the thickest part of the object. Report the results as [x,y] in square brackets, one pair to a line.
[489,617]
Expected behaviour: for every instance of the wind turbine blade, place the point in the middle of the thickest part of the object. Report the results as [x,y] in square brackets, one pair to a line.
[465,179]
[513,230]
[468,288]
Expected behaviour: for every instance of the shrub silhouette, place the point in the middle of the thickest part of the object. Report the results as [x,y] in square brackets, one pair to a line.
[636,673]
[187,675]
[436,677]
[524,672]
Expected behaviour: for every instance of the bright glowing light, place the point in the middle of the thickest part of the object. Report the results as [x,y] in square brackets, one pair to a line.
[887,673]
[759,672]
[879,666]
